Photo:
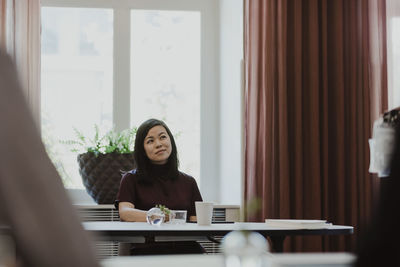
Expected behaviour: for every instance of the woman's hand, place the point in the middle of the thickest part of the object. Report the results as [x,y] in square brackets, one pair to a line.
[128,213]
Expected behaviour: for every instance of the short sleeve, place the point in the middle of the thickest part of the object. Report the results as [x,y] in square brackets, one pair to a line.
[126,191]
[196,196]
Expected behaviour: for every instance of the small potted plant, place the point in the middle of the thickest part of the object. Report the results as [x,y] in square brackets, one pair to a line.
[102,161]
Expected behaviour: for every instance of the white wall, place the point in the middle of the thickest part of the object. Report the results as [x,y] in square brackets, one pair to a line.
[231,107]
[209,114]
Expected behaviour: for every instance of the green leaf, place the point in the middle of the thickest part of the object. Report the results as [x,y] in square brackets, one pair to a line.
[111,142]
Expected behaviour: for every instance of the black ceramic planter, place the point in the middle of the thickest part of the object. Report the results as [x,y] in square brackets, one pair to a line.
[101,175]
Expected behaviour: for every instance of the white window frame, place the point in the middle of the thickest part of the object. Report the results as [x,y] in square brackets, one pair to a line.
[209,95]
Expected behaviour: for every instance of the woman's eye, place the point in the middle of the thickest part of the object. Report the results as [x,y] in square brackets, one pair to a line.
[149,141]
[163,136]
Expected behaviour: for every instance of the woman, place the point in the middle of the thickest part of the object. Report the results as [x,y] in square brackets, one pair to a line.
[157,181]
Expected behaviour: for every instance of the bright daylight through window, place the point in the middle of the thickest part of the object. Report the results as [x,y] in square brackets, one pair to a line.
[77,74]
[165,77]
[77,78]
[394,62]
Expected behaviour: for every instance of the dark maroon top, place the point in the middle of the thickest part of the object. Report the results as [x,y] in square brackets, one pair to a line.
[175,194]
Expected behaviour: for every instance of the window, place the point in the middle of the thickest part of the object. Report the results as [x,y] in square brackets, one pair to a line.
[393,55]
[165,76]
[77,74]
[122,62]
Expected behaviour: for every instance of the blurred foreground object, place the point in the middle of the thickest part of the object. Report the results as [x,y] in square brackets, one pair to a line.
[33,201]
[383,142]
[379,243]
[244,249]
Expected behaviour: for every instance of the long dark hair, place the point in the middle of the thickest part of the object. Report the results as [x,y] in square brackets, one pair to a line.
[143,163]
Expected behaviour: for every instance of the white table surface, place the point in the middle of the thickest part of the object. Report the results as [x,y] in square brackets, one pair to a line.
[272,260]
[142,226]
[137,232]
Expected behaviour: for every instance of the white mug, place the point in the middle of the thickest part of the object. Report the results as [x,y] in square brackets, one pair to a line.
[204,212]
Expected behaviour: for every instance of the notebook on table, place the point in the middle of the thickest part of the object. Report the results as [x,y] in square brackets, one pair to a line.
[297,224]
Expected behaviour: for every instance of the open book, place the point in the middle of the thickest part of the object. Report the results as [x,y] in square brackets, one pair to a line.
[297,224]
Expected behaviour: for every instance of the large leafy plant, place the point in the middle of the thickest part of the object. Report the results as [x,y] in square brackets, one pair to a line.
[111,142]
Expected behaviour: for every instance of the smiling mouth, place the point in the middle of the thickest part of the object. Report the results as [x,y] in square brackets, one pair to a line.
[161,151]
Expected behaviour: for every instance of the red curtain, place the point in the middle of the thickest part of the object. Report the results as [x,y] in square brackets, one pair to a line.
[315,75]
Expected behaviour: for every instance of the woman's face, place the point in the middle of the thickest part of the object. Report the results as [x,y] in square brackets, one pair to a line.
[157,145]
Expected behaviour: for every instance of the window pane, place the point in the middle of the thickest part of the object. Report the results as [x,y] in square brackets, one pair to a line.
[165,77]
[77,57]
[395,49]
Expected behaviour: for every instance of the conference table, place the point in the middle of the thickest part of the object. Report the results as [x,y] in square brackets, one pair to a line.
[139,232]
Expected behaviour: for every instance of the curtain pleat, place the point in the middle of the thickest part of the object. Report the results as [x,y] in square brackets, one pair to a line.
[20,38]
[315,81]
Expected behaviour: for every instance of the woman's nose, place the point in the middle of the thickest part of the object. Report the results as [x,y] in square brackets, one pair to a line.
[158,143]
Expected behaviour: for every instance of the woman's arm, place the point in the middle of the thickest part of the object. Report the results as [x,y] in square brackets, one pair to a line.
[128,213]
